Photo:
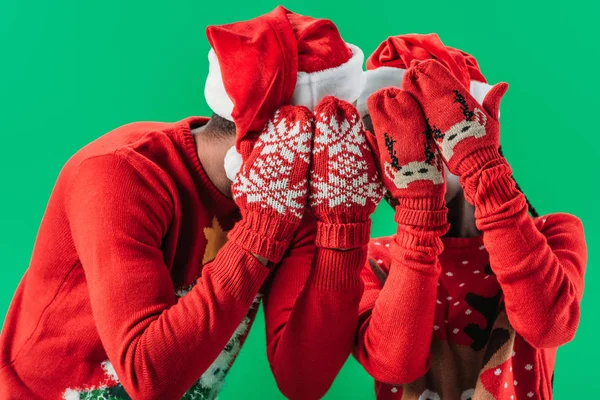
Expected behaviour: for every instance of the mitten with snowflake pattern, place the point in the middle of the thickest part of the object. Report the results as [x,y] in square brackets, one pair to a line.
[272,187]
[344,184]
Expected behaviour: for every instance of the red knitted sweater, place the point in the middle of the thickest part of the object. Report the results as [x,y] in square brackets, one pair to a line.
[134,292]
[481,321]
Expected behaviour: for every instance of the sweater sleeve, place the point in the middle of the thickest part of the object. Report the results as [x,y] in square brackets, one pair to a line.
[396,318]
[159,346]
[311,314]
[540,264]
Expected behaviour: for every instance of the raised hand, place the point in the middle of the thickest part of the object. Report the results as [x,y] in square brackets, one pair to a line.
[272,187]
[411,165]
[466,132]
[345,187]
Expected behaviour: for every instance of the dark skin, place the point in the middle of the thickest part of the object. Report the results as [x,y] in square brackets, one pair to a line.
[211,144]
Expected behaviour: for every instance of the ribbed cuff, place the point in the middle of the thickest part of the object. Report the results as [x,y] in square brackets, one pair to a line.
[239,272]
[421,247]
[343,236]
[264,236]
[430,203]
[496,187]
[421,217]
[338,270]
[471,167]
[475,160]
[326,215]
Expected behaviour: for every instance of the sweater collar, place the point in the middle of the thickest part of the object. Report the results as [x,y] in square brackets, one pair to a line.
[221,205]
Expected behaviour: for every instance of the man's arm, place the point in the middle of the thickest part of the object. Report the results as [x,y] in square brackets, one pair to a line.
[311,314]
[159,346]
[312,308]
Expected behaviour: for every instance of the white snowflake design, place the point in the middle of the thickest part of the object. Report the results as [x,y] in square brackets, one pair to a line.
[267,181]
[348,179]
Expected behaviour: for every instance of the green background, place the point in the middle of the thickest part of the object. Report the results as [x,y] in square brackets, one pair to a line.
[72,70]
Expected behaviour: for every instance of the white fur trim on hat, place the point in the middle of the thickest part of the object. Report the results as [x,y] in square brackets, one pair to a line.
[479,90]
[383,77]
[345,82]
[376,79]
[214,91]
[233,163]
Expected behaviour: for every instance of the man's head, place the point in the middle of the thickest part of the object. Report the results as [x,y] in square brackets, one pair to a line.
[213,140]
[276,59]
[220,128]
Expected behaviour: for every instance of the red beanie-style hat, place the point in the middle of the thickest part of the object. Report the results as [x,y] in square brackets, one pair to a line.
[278,58]
[387,64]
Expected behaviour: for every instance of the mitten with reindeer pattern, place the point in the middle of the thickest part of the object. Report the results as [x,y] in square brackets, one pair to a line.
[403,311]
[271,189]
[410,163]
[345,187]
[467,133]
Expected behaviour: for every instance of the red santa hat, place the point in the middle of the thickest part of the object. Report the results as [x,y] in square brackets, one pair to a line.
[278,58]
[386,66]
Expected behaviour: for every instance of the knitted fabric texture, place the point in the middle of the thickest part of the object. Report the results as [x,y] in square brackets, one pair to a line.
[456,341]
[411,165]
[476,318]
[272,188]
[132,277]
[466,132]
[345,185]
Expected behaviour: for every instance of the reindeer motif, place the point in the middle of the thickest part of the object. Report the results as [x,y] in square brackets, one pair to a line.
[402,175]
[472,126]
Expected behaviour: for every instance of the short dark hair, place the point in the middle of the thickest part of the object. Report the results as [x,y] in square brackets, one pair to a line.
[219,126]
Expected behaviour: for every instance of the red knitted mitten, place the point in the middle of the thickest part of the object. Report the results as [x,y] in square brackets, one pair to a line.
[467,133]
[411,166]
[345,186]
[272,187]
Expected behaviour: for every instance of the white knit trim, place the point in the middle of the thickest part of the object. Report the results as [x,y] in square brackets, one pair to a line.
[71,394]
[376,79]
[345,82]
[383,77]
[110,378]
[109,370]
[233,163]
[214,91]
[479,90]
